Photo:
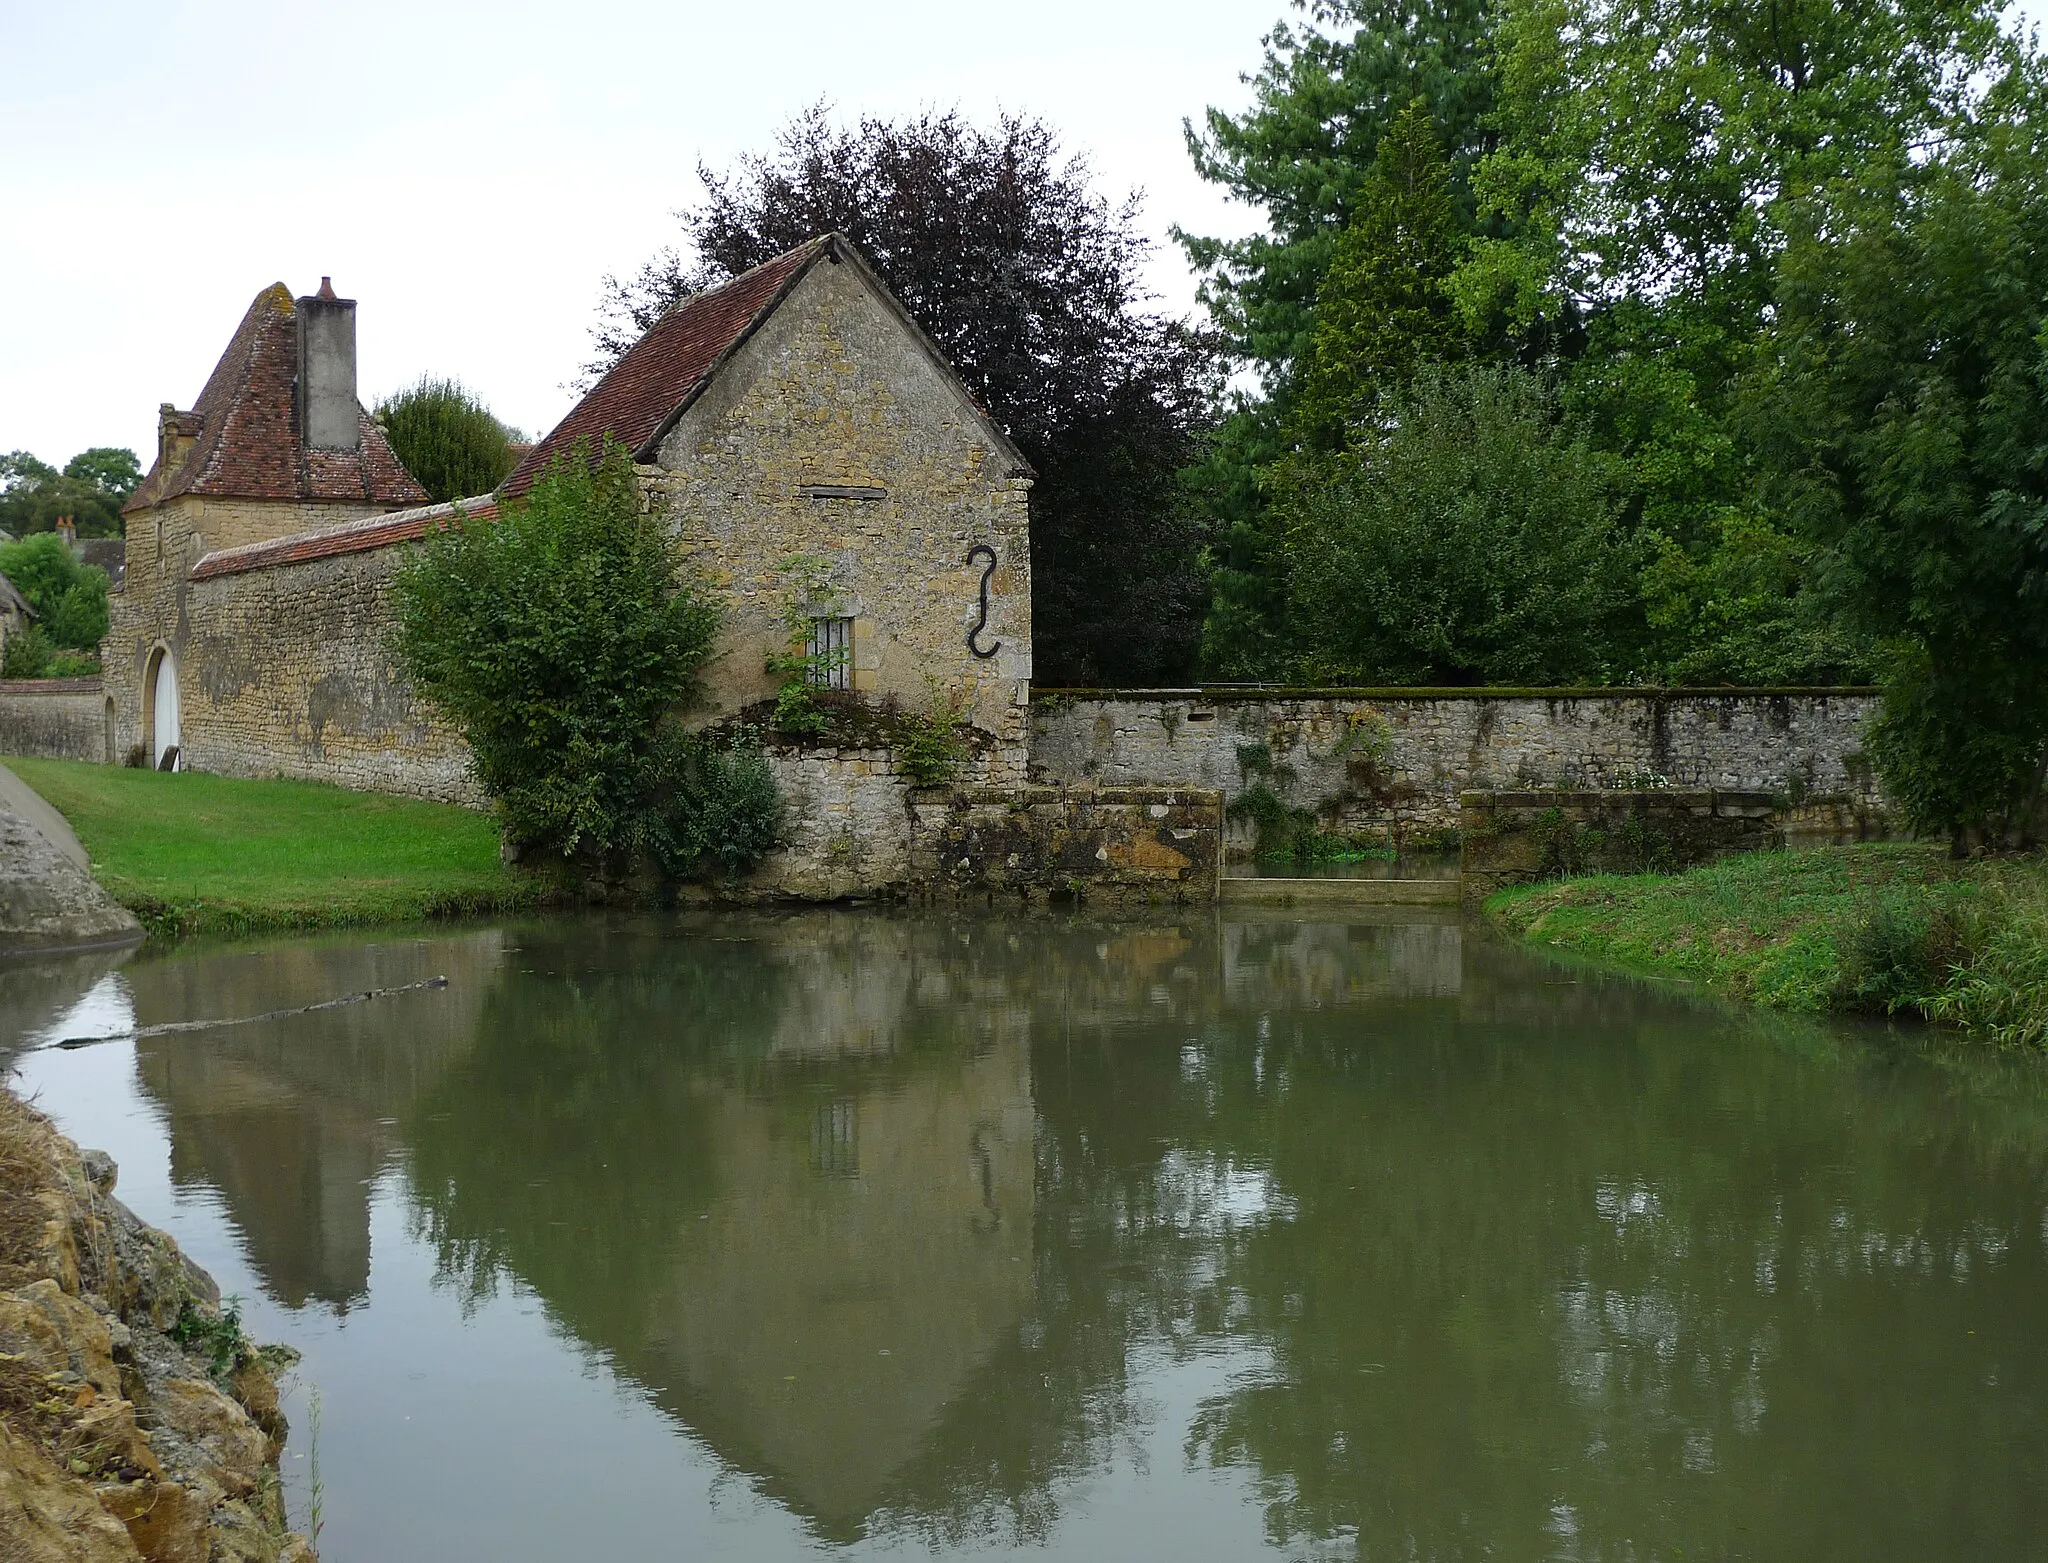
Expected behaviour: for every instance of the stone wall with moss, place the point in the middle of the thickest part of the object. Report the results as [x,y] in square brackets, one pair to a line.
[1094,844]
[1393,762]
[1512,838]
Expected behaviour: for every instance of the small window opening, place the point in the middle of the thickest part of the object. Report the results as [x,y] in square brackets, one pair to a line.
[829,654]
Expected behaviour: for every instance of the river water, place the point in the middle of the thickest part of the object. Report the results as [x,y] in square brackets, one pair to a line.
[851,1233]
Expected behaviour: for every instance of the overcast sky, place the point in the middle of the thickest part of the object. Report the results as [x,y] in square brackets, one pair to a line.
[469,172]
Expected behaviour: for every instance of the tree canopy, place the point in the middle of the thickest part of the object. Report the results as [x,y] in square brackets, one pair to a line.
[1776,273]
[70,598]
[447,438]
[1028,280]
[91,489]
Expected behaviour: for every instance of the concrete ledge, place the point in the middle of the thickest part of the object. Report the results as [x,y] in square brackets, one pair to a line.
[1248,891]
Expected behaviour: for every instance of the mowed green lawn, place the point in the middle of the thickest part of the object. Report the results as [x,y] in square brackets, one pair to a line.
[192,853]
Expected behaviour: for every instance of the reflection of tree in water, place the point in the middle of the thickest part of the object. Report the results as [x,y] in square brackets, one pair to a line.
[1578,1285]
[1507,1261]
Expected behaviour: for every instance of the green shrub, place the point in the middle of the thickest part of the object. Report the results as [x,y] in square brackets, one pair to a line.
[712,803]
[557,638]
[28,653]
[1899,954]
[69,597]
[931,750]
[797,711]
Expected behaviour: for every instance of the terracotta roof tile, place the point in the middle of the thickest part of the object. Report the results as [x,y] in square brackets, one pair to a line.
[662,372]
[245,431]
[351,537]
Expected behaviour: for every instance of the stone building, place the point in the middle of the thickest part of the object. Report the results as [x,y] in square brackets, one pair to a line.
[276,444]
[819,460]
[814,453]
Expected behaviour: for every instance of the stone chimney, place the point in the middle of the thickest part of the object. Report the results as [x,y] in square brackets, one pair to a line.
[329,416]
[68,530]
[175,432]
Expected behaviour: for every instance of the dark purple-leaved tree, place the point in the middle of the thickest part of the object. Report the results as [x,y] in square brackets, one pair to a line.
[1029,281]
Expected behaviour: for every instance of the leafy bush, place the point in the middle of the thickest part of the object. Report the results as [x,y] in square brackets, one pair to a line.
[931,749]
[557,639]
[1467,537]
[28,654]
[1899,955]
[447,439]
[69,597]
[712,801]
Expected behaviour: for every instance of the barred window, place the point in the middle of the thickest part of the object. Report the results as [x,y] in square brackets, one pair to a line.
[830,653]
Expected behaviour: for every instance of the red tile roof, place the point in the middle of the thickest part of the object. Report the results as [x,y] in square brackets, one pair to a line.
[660,374]
[351,537]
[246,437]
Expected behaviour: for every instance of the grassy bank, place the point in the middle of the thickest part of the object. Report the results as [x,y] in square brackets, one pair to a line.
[1890,929]
[210,854]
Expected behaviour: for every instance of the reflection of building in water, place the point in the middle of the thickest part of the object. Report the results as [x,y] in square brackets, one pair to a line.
[292,1120]
[869,1250]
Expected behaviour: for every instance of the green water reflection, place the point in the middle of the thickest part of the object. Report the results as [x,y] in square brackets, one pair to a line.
[1499,1260]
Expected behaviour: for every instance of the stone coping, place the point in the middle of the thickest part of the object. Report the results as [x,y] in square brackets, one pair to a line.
[50,686]
[1220,694]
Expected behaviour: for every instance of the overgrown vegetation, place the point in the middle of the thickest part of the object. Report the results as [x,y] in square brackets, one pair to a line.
[1881,929]
[561,639]
[70,598]
[190,853]
[447,438]
[1777,278]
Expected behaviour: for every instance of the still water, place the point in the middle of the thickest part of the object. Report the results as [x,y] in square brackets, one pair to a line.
[851,1234]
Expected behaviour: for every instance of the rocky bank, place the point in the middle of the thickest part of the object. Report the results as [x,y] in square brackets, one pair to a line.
[135,1419]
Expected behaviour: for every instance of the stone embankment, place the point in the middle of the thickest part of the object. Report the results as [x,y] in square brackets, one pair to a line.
[135,1420]
[48,897]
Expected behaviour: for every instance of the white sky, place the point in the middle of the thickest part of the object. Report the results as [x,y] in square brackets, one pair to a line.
[469,172]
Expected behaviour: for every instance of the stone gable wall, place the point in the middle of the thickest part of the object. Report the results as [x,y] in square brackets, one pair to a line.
[833,393]
[1379,761]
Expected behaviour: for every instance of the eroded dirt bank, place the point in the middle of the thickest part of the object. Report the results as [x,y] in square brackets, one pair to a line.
[135,1419]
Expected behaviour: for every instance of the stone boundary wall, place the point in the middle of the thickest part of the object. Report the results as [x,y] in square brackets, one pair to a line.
[286,674]
[1098,844]
[860,828]
[1512,838]
[1394,761]
[54,719]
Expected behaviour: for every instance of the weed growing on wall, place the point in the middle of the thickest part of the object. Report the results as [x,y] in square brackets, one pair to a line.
[558,638]
[931,749]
